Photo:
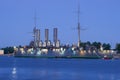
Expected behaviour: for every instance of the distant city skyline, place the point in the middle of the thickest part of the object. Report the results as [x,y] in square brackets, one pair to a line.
[100,18]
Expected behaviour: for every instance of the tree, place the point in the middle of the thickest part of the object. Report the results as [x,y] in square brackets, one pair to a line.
[106,46]
[96,44]
[83,45]
[8,50]
[118,47]
[88,43]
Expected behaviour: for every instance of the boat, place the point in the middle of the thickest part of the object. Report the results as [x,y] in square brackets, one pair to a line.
[106,57]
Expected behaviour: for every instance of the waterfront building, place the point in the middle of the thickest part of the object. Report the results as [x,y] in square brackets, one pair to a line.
[15,48]
[22,50]
[1,52]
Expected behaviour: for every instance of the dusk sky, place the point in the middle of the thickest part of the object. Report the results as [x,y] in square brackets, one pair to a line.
[100,18]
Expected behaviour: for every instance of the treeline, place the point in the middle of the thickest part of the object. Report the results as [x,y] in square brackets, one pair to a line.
[8,50]
[118,47]
[99,45]
[95,45]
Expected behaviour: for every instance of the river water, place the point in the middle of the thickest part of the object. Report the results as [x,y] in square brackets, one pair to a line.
[58,69]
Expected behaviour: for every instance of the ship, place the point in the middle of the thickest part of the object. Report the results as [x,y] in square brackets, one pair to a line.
[61,52]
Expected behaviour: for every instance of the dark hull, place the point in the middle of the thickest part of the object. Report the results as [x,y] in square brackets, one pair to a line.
[71,57]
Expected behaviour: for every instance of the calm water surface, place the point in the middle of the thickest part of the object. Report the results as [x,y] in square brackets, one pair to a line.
[58,69]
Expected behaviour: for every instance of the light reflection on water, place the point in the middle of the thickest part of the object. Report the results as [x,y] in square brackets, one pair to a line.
[14,74]
[58,69]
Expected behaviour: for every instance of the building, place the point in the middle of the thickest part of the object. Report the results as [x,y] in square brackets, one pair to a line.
[1,52]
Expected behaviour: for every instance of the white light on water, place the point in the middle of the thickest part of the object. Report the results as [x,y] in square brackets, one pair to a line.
[14,71]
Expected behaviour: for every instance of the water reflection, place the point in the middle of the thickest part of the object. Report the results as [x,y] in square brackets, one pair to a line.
[59,69]
[14,72]
[108,76]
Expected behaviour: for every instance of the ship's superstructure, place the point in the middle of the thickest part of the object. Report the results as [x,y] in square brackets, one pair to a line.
[47,43]
[36,35]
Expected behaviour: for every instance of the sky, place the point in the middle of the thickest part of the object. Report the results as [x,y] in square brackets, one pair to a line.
[99,19]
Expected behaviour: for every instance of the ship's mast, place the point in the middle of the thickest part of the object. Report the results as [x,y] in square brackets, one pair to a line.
[36,33]
[35,19]
[78,24]
[34,30]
